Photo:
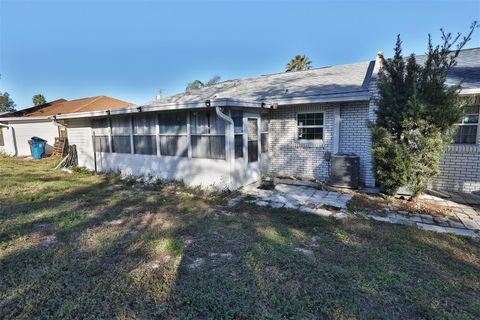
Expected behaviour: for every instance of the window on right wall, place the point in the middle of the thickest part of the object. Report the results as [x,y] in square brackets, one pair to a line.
[466,132]
[310,126]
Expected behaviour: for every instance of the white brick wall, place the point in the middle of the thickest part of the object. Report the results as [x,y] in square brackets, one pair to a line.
[289,157]
[355,135]
[460,170]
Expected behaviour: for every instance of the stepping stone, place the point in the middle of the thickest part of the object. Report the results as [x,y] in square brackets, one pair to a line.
[430,227]
[469,223]
[462,232]
[261,203]
[380,218]
[456,224]
[277,205]
[340,215]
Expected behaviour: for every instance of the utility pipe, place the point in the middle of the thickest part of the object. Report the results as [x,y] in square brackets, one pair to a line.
[230,143]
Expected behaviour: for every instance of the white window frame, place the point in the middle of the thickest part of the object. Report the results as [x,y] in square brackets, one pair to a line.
[463,124]
[310,126]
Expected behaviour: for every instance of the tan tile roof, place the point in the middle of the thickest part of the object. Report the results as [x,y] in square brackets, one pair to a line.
[62,106]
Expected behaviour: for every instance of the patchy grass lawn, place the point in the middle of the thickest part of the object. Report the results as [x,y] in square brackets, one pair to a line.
[86,246]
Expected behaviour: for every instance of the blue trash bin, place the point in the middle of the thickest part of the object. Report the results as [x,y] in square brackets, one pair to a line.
[37,145]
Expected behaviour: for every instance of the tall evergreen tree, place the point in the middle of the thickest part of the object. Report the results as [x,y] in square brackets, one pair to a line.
[416,114]
[6,103]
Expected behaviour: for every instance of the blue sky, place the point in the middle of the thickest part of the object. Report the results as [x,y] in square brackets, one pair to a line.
[131,49]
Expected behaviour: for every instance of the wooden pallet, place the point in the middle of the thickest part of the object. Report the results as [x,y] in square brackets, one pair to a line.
[60,147]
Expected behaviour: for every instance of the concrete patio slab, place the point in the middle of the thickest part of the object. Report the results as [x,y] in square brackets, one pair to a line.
[302,198]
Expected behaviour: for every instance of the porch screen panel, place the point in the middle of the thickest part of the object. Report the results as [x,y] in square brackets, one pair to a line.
[2,142]
[237,117]
[173,134]
[121,129]
[208,135]
[144,134]
[100,128]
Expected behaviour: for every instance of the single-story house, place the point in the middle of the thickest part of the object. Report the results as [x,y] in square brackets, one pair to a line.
[286,124]
[17,128]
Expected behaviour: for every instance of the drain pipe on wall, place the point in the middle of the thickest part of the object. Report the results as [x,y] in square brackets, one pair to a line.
[230,139]
[14,141]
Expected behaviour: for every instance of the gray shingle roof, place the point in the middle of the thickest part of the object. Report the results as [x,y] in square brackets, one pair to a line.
[341,80]
[466,70]
[347,79]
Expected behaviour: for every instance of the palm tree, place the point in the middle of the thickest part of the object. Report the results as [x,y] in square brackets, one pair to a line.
[299,63]
[197,84]
[38,99]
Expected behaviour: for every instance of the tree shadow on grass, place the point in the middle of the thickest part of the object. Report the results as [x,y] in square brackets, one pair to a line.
[350,271]
[153,253]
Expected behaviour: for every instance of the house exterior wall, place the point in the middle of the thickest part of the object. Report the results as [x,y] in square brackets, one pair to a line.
[291,157]
[460,170]
[355,135]
[80,135]
[23,131]
[6,137]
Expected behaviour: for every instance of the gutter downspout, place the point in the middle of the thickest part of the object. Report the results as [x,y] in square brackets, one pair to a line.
[230,143]
[14,141]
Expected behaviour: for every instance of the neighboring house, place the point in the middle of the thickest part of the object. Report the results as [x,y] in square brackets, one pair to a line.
[232,133]
[17,128]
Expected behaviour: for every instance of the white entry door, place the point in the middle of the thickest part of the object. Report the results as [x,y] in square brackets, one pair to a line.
[252,146]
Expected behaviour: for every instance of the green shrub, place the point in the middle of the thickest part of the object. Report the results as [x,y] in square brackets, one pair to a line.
[416,114]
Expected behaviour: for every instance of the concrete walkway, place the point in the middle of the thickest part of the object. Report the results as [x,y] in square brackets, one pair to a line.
[460,219]
[307,199]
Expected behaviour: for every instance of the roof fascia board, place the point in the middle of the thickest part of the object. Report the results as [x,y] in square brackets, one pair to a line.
[324,99]
[161,107]
[24,118]
[470,91]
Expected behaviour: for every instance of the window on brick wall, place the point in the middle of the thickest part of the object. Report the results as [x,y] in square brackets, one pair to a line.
[310,126]
[466,131]
[264,121]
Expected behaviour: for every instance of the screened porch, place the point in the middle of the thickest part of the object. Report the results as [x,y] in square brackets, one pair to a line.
[172,141]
